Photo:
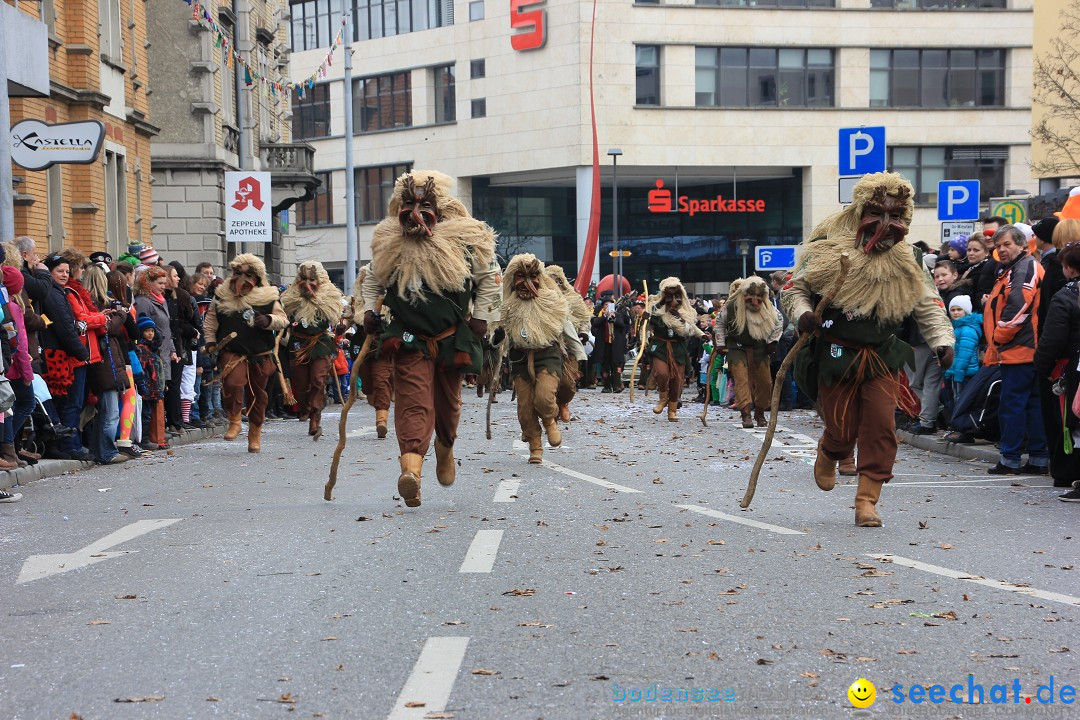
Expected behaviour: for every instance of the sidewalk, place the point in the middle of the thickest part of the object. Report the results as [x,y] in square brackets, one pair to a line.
[52,468]
[979,450]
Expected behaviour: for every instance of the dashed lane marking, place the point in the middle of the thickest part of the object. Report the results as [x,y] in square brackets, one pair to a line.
[432,679]
[741,520]
[361,431]
[507,490]
[480,557]
[977,579]
[588,478]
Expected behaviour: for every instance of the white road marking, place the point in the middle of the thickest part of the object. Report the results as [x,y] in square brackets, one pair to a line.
[588,478]
[507,490]
[977,480]
[984,476]
[37,567]
[432,678]
[971,487]
[978,580]
[741,520]
[480,557]
[361,431]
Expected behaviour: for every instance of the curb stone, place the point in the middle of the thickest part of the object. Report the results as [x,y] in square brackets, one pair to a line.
[979,450]
[53,468]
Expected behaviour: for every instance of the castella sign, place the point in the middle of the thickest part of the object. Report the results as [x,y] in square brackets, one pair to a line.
[661,201]
[36,145]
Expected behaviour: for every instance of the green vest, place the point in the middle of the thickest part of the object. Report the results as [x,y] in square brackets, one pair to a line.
[302,335]
[662,337]
[249,340]
[429,318]
[738,345]
[549,358]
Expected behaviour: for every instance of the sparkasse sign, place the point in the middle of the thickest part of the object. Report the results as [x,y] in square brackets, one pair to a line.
[660,201]
[36,145]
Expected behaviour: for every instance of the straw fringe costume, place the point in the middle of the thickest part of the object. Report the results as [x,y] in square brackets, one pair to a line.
[672,323]
[376,370]
[749,335]
[248,305]
[851,367]
[577,323]
[434,266]
[313,306]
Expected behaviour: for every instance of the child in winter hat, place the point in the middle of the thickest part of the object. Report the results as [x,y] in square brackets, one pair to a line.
[967,327]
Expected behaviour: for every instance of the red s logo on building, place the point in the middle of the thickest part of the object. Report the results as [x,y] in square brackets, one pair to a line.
[659,199]
[532,21]
[248,193]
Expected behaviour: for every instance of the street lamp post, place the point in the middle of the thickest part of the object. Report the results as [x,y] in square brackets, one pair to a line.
[617,260]
[744,250]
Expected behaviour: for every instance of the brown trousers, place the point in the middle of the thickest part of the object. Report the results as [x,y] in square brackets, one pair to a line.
[536,401]
[381,392]
[566,392]
[252,374]
[668,378]
[426,399]
[309,384]
[753,382]
[861,413]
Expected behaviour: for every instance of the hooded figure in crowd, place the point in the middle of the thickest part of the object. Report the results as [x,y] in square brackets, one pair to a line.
[575,333]
[376,371]
[434,266]
[748,334]
[672,321]
[851,367]
[313,306]
[245,304]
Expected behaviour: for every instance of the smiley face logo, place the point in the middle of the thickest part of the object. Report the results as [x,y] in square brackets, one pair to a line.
[862,693]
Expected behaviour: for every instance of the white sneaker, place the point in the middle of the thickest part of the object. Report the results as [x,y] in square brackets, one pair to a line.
[6,497]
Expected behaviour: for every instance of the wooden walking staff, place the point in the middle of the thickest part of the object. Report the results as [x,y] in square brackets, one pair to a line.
[781,374]
[644,332]
[708,385]
[328,490]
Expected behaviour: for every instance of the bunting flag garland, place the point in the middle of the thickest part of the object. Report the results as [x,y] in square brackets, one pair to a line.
[252,74]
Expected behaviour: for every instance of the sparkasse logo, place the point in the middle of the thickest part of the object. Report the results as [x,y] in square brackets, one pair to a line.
[660,201]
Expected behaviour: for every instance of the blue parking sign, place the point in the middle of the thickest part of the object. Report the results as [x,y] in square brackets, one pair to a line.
[774,257]
[958,200]
[862,150]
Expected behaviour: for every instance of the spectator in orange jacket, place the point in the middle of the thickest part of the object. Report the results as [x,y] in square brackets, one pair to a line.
[1011,325]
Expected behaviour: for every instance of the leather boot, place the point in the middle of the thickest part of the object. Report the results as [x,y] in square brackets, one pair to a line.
[824,470]
[7,451]
[381,418]
[408,484]
[315,425]
[847,466]
[254,438]
[661,402]
[672,411]
[564,413]
[866,497]
[747,421]
[759,418]
[444,463]
[234,427]
[554,434]
[536,450]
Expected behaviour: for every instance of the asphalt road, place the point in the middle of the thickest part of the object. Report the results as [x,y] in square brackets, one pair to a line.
[214,583]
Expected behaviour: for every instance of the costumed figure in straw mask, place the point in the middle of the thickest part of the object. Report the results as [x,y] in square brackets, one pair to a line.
[434,266]
[748,332]
[575,332]
[851,367]
[533,316]
[313,305]
[245,304]
[376,370]
[672,322]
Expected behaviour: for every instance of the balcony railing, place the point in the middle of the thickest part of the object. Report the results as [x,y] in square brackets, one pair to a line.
[288,157]
[232,139]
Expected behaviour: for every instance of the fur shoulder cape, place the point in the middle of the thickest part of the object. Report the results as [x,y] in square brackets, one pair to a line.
[686,315]
[760,324]
[326,303]
[227,301]
[537,323]
[580,316]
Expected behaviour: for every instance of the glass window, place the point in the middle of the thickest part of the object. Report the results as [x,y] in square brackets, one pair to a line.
[311,113]
[767,3]
[648,75]
[374,186]
[383,102]
[476,69]
[319,210]
[445,98]
[939,4]
[476,10]
[763,77]
[937,78]
[925,167]
[479,107]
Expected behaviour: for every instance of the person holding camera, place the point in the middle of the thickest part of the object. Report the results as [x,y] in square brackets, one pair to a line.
[610,327]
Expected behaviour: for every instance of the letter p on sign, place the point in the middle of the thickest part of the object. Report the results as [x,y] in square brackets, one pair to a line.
[958,200]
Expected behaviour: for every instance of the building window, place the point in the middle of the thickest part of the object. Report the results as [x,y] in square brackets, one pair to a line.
[937,78]
[383,102]
[476,10]
[445,97]
[763,77]
[648,75]
[116,230]
[54,191]
[315,23]
[109,30]
[479,108]
[769,3]
[939,4]
[476,69]
[384,18]
[311,113]
[319,210]
[925,167]
[227,70]
[374,186]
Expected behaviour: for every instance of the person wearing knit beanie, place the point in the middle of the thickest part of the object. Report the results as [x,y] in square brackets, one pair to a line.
[149,256]
[1044,229]
[961,301]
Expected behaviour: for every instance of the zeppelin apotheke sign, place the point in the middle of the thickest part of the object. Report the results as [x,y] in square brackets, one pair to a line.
[36,145]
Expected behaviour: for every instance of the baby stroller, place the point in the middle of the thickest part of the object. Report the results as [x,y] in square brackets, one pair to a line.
[43,435]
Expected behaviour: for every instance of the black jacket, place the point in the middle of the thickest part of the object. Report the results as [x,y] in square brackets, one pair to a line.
[1061,333]
[1053,280]
[49,301]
